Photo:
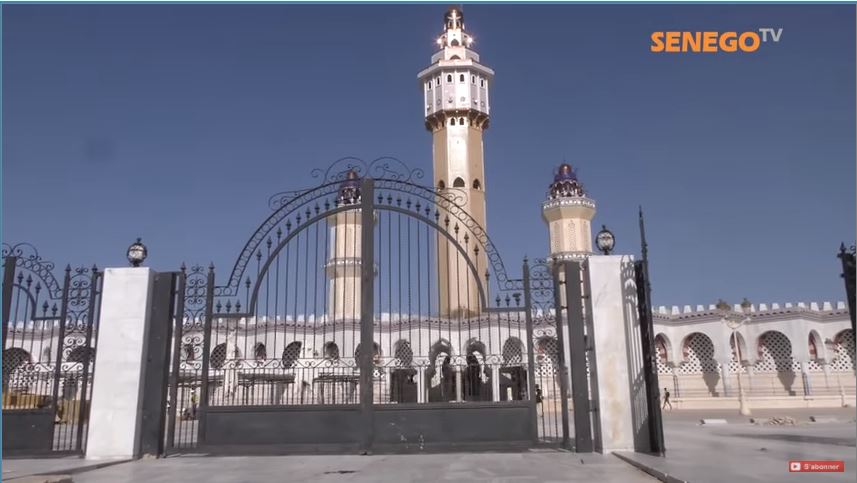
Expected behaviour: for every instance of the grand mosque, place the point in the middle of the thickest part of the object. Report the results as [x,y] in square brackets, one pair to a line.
[798,354]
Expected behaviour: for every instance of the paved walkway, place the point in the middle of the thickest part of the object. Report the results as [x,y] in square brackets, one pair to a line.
[740,451]
[736,451]
[550,466]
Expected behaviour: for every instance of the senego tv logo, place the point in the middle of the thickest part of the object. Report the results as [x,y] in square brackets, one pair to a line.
[711,42]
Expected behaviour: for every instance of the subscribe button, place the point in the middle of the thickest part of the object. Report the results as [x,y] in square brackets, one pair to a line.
[816,466]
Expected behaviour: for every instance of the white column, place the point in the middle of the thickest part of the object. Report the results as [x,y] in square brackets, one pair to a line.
[421,384]
[725,372]
[618,354]
[458,388]
[117,389]
[495,382]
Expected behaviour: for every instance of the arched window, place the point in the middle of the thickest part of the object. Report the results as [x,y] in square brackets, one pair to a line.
[454,43]
[291,354]
[218,356]
[473,79]
[437,81]
[477,185]
[481,82]
[80,354]
[376,353]
[331,351]
[513,351]
[452,122]
[813,350]
[260,352]
[404,354]
[458,183]
[441,185]
[461,78]
[461,121]
[449,77]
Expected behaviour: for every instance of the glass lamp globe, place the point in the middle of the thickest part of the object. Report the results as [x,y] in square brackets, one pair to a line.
[137,252]
[605,241]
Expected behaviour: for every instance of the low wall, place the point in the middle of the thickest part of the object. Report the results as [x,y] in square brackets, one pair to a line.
[763,402]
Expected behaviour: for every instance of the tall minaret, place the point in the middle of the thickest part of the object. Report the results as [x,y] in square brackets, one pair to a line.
[568,213]
[343,266]
[455,88]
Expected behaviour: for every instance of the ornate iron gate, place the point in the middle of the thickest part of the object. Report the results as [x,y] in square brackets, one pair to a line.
[49,333]
[367,312]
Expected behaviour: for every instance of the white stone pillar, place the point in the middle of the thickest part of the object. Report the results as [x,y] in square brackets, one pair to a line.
[804,375]
[421,385]
[117,390]
[458,389]
[495,383]
[725,372]
[618,354]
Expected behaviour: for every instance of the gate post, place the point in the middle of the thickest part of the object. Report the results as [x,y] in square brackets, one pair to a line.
[531,356]
[202,410]
[91,319]
[115,422]
[176,362]
[577,349]
[367,306]
[847,256]
[9,265]
[560,349]
[650,353]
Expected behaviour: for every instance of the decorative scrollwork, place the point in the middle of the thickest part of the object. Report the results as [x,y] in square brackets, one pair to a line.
[27,256]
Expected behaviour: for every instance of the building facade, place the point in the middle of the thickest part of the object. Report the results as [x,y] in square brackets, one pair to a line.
[790,355]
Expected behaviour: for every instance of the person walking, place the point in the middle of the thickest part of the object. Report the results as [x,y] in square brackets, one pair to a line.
[667,400]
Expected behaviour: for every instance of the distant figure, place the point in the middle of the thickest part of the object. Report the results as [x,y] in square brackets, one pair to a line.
[667,400]
[193,402]
[538,394]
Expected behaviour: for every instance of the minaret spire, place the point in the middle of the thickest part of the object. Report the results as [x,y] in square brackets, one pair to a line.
[456,107]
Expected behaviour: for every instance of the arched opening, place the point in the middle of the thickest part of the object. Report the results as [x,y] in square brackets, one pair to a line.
[461,121]
[458,183]
[218,356]
[461,78]
[403,353]
[441,185]
[449,78]
[513,351]
[452,122]
[698,359]
[440,376]
[291,354]
[81,354]
[663,353]
[775,358]
[477,375]
[260,352]
[455,43]
[331,351]
[513,376]
[403,387]
[547,367]
[376,353]
[843,343]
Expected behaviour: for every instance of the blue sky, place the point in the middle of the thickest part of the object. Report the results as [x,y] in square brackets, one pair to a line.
[176,123]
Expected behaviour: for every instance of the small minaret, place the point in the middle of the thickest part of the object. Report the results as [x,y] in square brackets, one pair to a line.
[568,213]
[343,267]
[455,105]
